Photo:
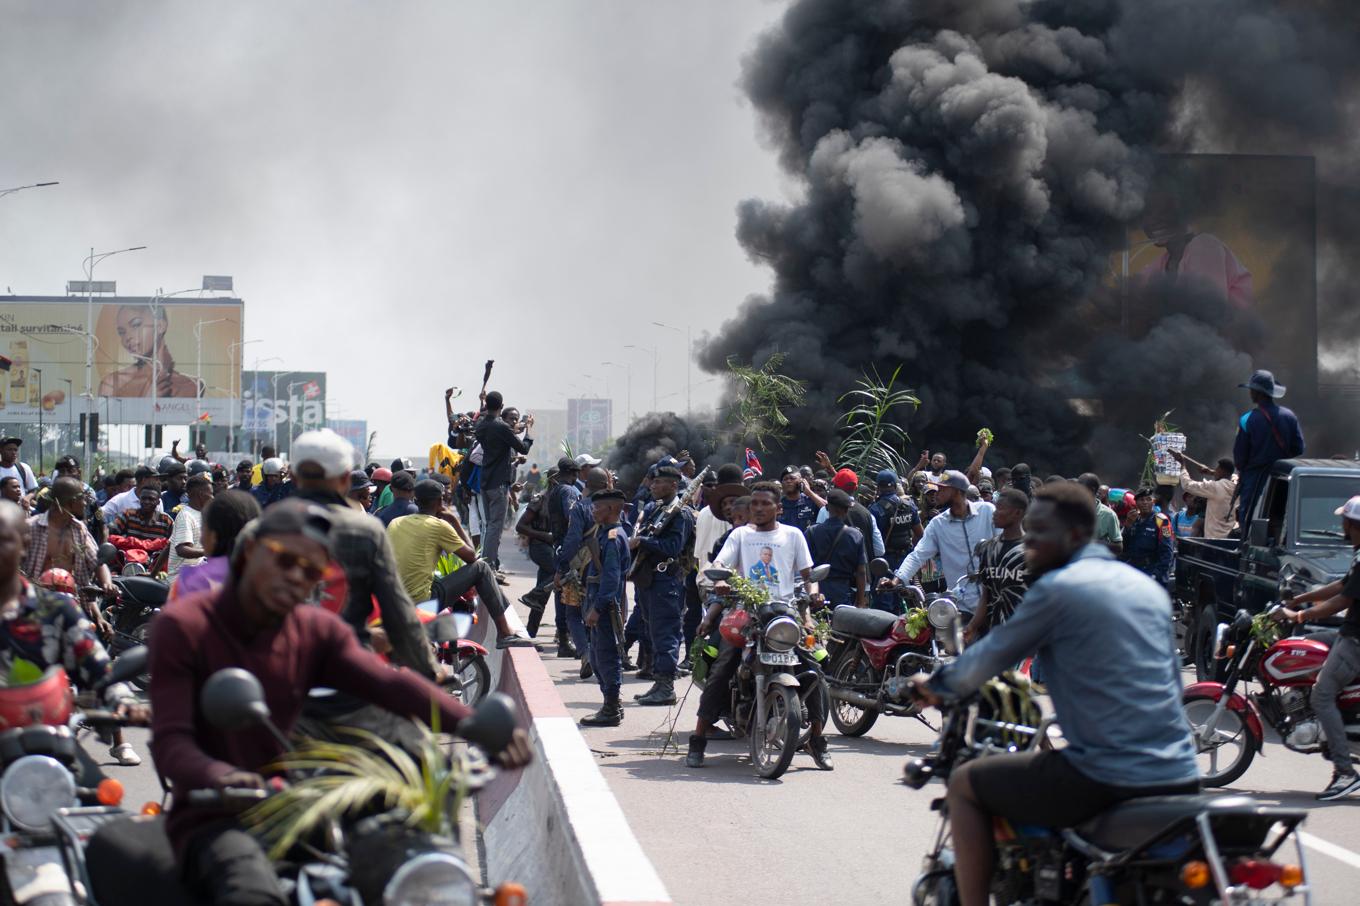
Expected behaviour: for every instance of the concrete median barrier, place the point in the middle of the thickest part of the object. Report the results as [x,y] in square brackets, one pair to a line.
[555,827]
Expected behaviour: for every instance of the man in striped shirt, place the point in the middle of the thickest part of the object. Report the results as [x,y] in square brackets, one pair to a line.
[146,522]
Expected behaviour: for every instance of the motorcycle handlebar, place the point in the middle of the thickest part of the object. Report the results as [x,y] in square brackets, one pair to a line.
[232,795]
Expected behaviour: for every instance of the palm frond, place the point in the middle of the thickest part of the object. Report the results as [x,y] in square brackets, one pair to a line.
[762,396]
[872,441]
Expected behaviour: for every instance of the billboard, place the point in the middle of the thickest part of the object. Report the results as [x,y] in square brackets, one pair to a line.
[354,430]
[1239,232]
[589,423]
[147,356]
[277,406]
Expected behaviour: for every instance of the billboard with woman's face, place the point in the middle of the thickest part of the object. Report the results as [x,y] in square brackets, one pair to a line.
[170,355]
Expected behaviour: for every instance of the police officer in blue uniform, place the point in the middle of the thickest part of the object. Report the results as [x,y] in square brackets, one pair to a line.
[579,521]
[660,583]
[1148,545]
[841,545]
[606,576]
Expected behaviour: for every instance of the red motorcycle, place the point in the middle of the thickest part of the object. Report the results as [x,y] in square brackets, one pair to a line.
[874,655]
[1228,726]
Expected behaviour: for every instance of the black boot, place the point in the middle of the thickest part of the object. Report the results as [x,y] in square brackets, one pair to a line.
[695,758]
[644,665]
[535,620]
[587,671]
[661,693]
[609,715]
[564,646]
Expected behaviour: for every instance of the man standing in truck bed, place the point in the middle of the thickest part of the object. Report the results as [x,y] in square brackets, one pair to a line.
[1266,434]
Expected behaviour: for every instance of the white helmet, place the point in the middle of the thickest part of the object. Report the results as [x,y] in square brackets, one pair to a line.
[272,466]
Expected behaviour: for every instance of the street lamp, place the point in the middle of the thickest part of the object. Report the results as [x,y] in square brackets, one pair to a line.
[235,390]
[628,370]
[652,350]
[36,185]
[198,375]
[689,359]
[273,413]
[90,262]
[41,443]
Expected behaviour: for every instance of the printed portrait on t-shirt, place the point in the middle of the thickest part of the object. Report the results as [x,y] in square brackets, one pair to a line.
[763,570]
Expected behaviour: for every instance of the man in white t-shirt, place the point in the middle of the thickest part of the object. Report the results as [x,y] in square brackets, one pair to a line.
[10,467]
[186,539]
[773,554]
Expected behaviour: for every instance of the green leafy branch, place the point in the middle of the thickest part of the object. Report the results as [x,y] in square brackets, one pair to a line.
[763,395]
[874,442]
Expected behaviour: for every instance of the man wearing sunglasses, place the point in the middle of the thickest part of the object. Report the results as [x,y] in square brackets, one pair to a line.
[255,622]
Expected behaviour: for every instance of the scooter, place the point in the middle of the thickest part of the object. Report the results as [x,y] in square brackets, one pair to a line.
[1228,726]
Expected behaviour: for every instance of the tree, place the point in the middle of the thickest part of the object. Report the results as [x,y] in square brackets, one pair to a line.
[762,395]
[872,442]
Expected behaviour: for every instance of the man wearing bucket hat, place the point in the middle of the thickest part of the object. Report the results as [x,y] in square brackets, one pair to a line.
[1266,434]
[1343,661]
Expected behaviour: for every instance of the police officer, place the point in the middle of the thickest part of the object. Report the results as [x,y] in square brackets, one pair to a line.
[842,546]
[561,498]
[605,580]
[1148,545]
[660,583]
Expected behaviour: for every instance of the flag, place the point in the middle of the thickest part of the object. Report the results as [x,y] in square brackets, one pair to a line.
[205,419]
[752,469]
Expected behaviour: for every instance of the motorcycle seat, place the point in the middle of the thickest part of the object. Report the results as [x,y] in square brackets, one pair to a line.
[131,861]
[1134,821]
[862,623]
[144,590]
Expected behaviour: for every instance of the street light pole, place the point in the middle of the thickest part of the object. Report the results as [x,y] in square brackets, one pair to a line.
[273,410]
[90,262]
[689,364]
[70,406]
[652,350]
[235,390]
[42,445]
[198,375]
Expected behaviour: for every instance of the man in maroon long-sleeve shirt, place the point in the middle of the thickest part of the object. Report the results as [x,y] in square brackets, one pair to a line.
[255,623]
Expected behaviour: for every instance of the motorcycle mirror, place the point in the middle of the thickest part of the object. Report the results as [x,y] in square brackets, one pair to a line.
[107,554]
[718,574]
[232,699]
[449,627]
[819,573]
[492,723]
[879,568]
[130,663]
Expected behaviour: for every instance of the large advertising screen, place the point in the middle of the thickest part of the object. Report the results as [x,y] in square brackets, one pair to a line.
[172,357]
[277,406]
[588,423]
[1237,232]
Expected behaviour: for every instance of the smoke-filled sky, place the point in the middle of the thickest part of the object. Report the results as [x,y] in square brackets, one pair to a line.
[401,190]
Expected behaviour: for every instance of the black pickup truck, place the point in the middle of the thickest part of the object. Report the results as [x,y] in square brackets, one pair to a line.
[1291,542]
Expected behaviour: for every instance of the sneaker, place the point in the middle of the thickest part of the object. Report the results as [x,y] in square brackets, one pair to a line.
[1341,785]
[820,751]
[124,755]
[514,641]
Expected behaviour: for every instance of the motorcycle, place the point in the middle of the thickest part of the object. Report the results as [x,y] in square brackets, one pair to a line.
[874,654]
[52,793]
[370,855]
[1192,849]
[470,676]
[1228,726]
[776,676]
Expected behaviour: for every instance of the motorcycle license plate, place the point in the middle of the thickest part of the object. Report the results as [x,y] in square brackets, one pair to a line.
[779,658]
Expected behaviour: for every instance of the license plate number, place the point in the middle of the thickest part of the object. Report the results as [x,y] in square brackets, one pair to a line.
[779,658]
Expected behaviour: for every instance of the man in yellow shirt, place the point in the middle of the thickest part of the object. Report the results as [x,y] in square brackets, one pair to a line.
[419,540]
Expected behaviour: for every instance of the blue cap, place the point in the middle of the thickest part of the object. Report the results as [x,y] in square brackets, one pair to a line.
[887,476]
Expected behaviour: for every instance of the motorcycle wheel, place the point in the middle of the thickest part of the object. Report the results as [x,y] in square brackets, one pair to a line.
[475,675]
[935,888]
[773,745]
[850,720]
[1231,737]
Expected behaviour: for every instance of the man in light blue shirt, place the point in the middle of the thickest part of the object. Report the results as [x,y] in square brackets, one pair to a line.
[1126,733]
[953,536]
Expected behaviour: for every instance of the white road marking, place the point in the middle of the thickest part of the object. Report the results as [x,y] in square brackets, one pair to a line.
[1340,853]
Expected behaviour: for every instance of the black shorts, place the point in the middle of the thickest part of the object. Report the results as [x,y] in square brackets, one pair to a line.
[1043,788]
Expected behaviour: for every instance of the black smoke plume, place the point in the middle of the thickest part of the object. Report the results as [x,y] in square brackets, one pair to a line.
[967,171]
[653,436]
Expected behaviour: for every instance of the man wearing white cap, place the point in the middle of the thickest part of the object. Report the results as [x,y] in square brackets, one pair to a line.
[1343,663]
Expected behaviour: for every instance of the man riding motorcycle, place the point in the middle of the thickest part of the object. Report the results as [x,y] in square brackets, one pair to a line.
[1343,661]
[255,622]
[1125,728]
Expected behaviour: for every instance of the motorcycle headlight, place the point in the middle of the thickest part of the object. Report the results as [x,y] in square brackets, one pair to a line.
[781,634]
[942,613]
[32,790]
[431,879]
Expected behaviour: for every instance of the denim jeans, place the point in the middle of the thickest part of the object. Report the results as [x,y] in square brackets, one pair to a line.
[664,604]
[495,505]
[1340,670]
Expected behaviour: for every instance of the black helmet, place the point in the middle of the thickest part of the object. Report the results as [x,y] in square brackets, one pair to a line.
[198,467]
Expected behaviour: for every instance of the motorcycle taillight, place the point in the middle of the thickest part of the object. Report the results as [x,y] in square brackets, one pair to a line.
[1254,873]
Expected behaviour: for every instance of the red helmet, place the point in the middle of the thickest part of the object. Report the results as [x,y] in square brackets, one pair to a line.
[58,580]
[47,701]
[733,625]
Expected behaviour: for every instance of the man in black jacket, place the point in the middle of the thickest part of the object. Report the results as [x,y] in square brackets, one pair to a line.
[499,444]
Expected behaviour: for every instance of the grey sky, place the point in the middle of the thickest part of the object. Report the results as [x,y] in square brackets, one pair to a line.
[400,189]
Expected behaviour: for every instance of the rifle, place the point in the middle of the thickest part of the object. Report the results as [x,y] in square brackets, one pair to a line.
[661,521]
